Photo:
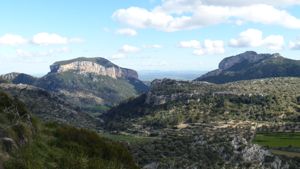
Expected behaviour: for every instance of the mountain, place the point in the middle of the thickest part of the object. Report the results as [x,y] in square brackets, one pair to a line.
[170,103]
[28,143]
[49,106]
[91,84]
[206,125]
[250,65]
[17,78]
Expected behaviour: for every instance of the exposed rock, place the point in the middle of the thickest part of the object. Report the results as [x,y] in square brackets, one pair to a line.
[8,144]
[250,65]
[153,165]
[98,66]
[249,56]
[17,78]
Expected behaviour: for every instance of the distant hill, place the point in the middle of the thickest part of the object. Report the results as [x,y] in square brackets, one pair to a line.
[17,78]
[206,125]
[250,65]
[170,103]
[92,84]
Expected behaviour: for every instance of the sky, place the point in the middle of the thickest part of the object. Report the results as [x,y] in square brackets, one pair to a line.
[165,35]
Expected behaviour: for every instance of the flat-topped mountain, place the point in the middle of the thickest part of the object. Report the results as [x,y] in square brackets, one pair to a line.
[91,84]
[98,66]
[251,65]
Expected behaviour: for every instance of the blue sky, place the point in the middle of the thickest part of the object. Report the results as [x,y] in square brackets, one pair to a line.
[144,34]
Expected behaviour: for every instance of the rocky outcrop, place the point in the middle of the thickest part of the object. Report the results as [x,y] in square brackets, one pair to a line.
[98,66]
[251,65]
[17,78]
[249,56]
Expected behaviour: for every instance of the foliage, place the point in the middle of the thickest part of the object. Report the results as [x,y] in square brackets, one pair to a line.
[27,143]
[170,103]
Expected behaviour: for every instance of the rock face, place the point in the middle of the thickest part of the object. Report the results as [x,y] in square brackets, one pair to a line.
[249,56]
[251,65]
[98,66]
[17,78]
[91,84]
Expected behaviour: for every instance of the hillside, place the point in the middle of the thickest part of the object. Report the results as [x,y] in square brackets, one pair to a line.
[205,125]
[169,103]
[17,78]
[91,84]
[250,65]
[49,106]
[26,143]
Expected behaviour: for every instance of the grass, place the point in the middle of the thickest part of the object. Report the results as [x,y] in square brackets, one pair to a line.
[280,143]
[65,147]
[275,140]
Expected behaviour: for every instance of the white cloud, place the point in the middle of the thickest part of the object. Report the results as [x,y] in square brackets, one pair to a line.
[128,49]
[254,38]
[127,32]
[274,42]
[190,44]
[49,39]
[208,47]
[45,38]
[175,15]
[295,45]
[50,52]
[12,39]
[124,51]
[248,38]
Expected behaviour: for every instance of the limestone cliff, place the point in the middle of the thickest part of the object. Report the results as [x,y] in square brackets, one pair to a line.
[98,66]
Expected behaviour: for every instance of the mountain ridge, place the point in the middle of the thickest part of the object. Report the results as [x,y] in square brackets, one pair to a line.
[251,65]
[97,65]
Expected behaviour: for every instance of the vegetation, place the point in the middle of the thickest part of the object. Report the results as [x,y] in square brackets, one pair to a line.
[28,144]
[170,103]
[65,147]
[272,66]
[275,140]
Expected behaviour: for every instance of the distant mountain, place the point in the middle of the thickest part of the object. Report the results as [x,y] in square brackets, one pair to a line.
[92,84]
[17,78]
[250,65]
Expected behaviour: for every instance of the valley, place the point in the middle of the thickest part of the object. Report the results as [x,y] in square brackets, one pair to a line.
[92,107]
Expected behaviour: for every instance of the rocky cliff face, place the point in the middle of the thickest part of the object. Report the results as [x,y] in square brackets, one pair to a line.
[98,66]
[251,65]
[249,56]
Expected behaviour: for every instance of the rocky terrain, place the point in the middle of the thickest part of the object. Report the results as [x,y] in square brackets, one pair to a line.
[91,84]
[18,78]
[49,106]
[250,65]
[97,66]
[205,125]
[170,125]
[27,143]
